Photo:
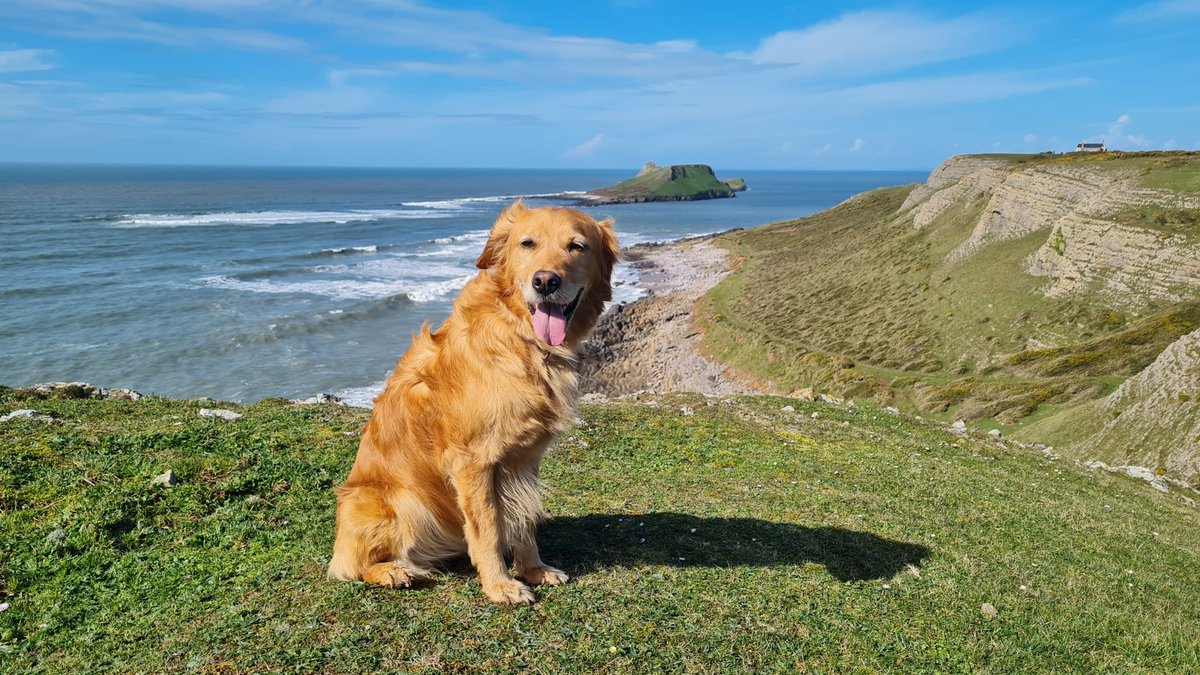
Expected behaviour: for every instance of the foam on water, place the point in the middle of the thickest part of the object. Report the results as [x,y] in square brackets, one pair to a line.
[351,249]
[361,397]
[463,203]
[263,218]
[346,289]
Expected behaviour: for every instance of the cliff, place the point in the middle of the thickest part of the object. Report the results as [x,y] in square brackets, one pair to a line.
[1054,298]
[1105,230]
[680,182]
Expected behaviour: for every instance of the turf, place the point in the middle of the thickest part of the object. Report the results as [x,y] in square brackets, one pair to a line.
[702,534]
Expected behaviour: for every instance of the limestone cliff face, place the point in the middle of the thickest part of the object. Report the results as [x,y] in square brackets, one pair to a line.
[1086,248]
[1153,418]
[949,173]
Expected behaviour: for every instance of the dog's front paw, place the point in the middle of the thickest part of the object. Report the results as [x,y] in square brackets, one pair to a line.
[544,575]
[509,592]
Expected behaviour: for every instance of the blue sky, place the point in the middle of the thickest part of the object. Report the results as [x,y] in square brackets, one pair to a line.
[507,83]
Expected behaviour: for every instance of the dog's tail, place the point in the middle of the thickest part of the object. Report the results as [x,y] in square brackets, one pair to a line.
[352,553]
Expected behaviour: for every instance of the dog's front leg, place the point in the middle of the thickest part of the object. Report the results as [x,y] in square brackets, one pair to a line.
[482,520]
[529,562]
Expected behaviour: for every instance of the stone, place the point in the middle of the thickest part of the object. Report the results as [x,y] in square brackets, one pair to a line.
[686,411]
[994,433]
[218,412]
[32,415]
[805,394]
[166,480]
[120,394]
[788,409]
[959,428]
[320,399]
[1138,472]
[56,537]
[988,611]
[67,389]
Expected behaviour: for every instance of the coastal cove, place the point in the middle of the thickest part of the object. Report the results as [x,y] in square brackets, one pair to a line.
[250,283]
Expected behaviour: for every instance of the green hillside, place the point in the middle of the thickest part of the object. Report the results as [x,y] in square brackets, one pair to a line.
[936,307]
[680,182]
[702,534]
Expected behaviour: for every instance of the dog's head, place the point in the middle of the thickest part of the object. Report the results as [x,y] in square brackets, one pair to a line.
[559,262]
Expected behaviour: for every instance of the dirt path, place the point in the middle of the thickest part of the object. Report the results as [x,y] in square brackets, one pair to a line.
[651,344]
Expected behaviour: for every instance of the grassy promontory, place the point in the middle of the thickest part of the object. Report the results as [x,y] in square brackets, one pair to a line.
[679,182]
[702,534]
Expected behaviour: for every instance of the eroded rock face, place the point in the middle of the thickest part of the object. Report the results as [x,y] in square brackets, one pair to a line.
[1077,207]
[1153,418]
[949,173]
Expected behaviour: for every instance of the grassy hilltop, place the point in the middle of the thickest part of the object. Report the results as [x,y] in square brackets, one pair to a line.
[702,534]
[1009,291]
[679,182]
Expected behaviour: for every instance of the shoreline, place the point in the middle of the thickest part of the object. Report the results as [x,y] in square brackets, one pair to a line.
[650,345]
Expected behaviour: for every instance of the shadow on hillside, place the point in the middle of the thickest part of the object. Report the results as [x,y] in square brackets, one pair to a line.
[589,543]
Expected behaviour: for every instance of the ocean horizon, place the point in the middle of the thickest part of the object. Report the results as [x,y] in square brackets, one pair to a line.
[242,283]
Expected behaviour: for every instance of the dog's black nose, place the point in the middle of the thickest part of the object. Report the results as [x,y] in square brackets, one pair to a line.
[546,283]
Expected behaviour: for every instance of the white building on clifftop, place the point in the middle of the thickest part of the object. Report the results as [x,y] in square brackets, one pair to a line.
[1090,147]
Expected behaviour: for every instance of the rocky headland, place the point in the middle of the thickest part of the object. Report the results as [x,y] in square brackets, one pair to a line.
[679,182]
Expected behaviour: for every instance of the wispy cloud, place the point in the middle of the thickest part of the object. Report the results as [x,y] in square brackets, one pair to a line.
[1160,11]
[881,41]
[126,20]
[24,60]
[585,148]
[858,145]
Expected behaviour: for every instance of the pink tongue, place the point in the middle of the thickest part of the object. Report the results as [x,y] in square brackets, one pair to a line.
[549,323]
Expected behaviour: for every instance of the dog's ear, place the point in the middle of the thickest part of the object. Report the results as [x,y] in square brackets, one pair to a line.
[610,250]
[493,252]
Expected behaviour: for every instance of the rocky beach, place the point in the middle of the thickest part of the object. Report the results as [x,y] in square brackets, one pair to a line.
[651,344]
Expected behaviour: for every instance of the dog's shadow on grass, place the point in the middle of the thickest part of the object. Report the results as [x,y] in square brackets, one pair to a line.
[590,543]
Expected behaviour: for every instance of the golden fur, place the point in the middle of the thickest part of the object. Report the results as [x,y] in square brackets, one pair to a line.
[448,462]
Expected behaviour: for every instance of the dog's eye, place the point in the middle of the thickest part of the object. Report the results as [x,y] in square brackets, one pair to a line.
[528,243]
[576,246]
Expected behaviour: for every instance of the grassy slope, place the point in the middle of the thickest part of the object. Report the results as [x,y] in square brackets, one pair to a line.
[743,537]
[857,302]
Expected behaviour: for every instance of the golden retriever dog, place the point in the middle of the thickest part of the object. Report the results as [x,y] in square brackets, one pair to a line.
[448,462]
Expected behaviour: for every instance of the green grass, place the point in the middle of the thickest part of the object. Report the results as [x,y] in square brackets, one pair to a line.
[857,302]
[1161,219]
[742,538]
[683,181]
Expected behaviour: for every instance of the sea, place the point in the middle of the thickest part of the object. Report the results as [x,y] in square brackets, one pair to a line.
[244,283]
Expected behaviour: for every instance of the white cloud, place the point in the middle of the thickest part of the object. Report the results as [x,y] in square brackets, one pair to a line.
[824,149]
[935,91]
[585,148]
[1165,9]
[1116,136]
[859,144]
[877,41]
[1030,139]
[24,60]
[1171,144]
